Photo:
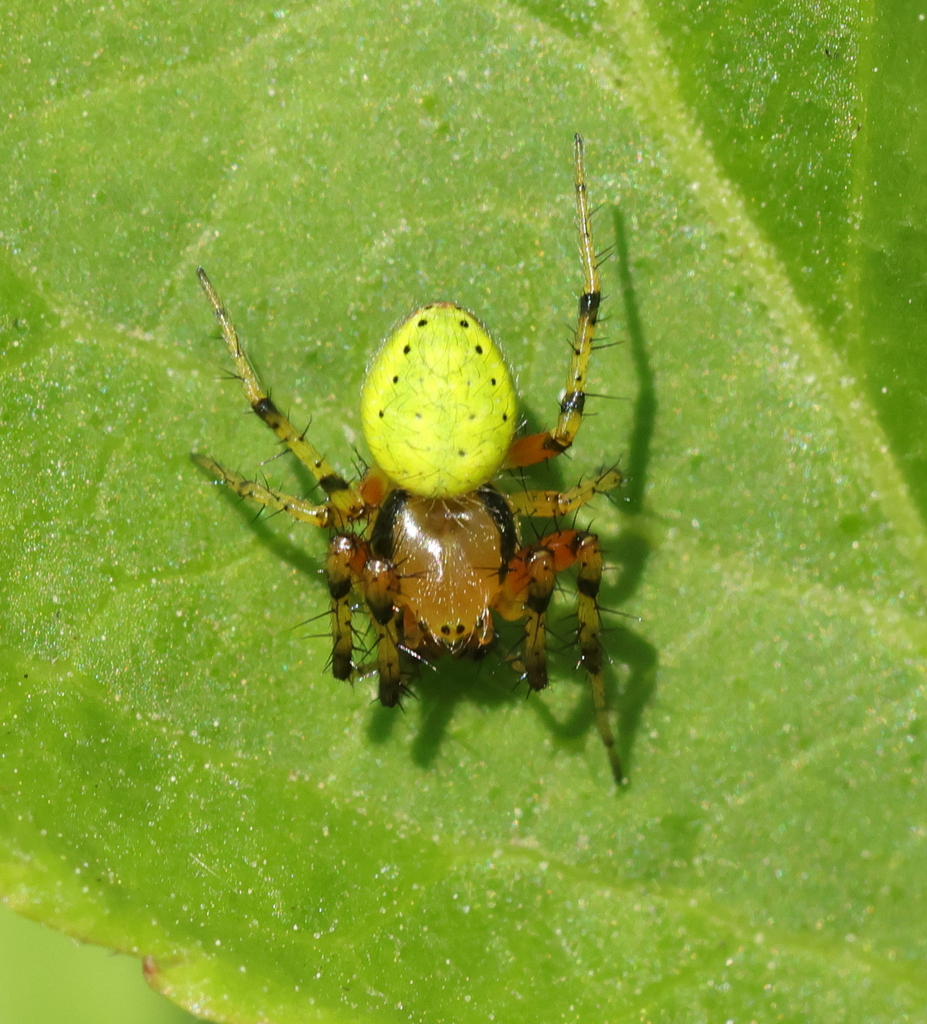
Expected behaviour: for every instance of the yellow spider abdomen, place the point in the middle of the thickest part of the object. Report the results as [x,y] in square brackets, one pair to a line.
[438,405]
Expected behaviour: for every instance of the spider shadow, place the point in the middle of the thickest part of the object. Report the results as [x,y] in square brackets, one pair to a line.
[272,539]
[440,691]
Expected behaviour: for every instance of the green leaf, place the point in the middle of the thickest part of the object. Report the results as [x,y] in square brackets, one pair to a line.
[181,777]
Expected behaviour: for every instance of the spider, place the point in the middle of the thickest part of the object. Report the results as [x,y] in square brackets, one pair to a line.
[425,540]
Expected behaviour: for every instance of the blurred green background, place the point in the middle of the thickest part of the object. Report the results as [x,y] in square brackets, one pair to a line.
[47,978]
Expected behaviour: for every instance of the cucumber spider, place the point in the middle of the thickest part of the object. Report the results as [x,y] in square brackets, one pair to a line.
[425,540]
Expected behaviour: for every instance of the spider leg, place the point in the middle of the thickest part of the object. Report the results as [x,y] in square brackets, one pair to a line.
[589,556]
[298,508]
[346,502]
[542,575]
[550,504]
[345,553]
[380,585]
[528,587]
[537,447]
